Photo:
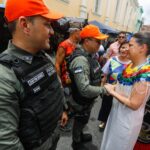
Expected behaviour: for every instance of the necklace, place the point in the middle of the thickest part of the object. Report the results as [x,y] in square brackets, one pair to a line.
[130,72]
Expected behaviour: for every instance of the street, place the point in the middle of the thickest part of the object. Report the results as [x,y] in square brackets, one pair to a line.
[92,127]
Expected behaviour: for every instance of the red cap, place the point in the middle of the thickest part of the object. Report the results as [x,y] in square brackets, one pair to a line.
[16,8]
[92,31]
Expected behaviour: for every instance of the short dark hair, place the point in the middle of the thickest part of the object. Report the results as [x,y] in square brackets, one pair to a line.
[122,32]
[143,38]
[126,42]
[12,25]
[82,40]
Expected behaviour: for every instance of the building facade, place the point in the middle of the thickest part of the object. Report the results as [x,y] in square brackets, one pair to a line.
[120,14]
[140,20]
[3,1]
[145,28]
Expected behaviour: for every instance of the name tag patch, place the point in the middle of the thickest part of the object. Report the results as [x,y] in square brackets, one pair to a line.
[36,89]
[36,78]
[50,70]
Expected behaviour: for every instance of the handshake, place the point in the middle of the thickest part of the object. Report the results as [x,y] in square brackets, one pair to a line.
[110,88]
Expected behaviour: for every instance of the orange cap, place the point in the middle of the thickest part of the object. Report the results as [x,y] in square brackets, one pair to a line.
[92,31]
[16,8]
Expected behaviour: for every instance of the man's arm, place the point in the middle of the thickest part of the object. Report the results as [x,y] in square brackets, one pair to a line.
[60,56]
[81,72]
[9,110]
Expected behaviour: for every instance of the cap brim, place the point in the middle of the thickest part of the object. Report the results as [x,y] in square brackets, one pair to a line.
[102,37]
[53,15]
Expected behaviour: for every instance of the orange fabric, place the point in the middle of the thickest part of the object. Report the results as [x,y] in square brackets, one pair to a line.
[16,8]
[93,32]
[69,48]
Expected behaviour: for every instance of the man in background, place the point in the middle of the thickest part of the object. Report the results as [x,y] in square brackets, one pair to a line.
[114,47]
[65,49]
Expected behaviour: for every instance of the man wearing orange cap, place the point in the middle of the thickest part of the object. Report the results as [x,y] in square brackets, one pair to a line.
[31,96]
[85,74]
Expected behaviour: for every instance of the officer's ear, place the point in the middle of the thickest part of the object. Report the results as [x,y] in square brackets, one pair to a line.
[86,40]
[24,24]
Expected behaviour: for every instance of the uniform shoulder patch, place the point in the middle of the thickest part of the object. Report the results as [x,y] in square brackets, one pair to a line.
[78,69]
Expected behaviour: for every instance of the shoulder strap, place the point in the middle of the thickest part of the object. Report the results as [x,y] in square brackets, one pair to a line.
[77,52]
[6,60]
[9,60]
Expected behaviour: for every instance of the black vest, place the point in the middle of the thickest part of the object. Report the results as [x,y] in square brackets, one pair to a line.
[42,105]
[95,77]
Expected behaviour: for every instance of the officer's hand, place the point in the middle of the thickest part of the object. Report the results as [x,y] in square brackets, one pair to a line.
[64,119]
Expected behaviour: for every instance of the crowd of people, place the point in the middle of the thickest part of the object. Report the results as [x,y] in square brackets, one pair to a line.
[36,94]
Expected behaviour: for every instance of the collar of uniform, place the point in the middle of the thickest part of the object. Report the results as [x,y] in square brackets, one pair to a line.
[20,53]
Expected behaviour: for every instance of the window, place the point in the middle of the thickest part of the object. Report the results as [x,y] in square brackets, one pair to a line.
[4,1]
[125,13]
[97,6]
[117,10]
[66,1]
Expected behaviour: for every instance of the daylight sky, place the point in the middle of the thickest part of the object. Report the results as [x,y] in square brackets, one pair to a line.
[146,7]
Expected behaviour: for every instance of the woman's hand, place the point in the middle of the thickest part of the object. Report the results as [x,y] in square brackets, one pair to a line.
[110,88]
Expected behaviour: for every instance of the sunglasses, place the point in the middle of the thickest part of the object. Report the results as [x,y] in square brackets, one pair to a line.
[121,37]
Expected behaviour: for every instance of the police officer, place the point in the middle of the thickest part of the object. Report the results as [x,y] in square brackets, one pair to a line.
[85,75]
[31,97]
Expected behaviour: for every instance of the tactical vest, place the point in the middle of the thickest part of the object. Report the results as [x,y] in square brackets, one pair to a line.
[95,77]
[42,105]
